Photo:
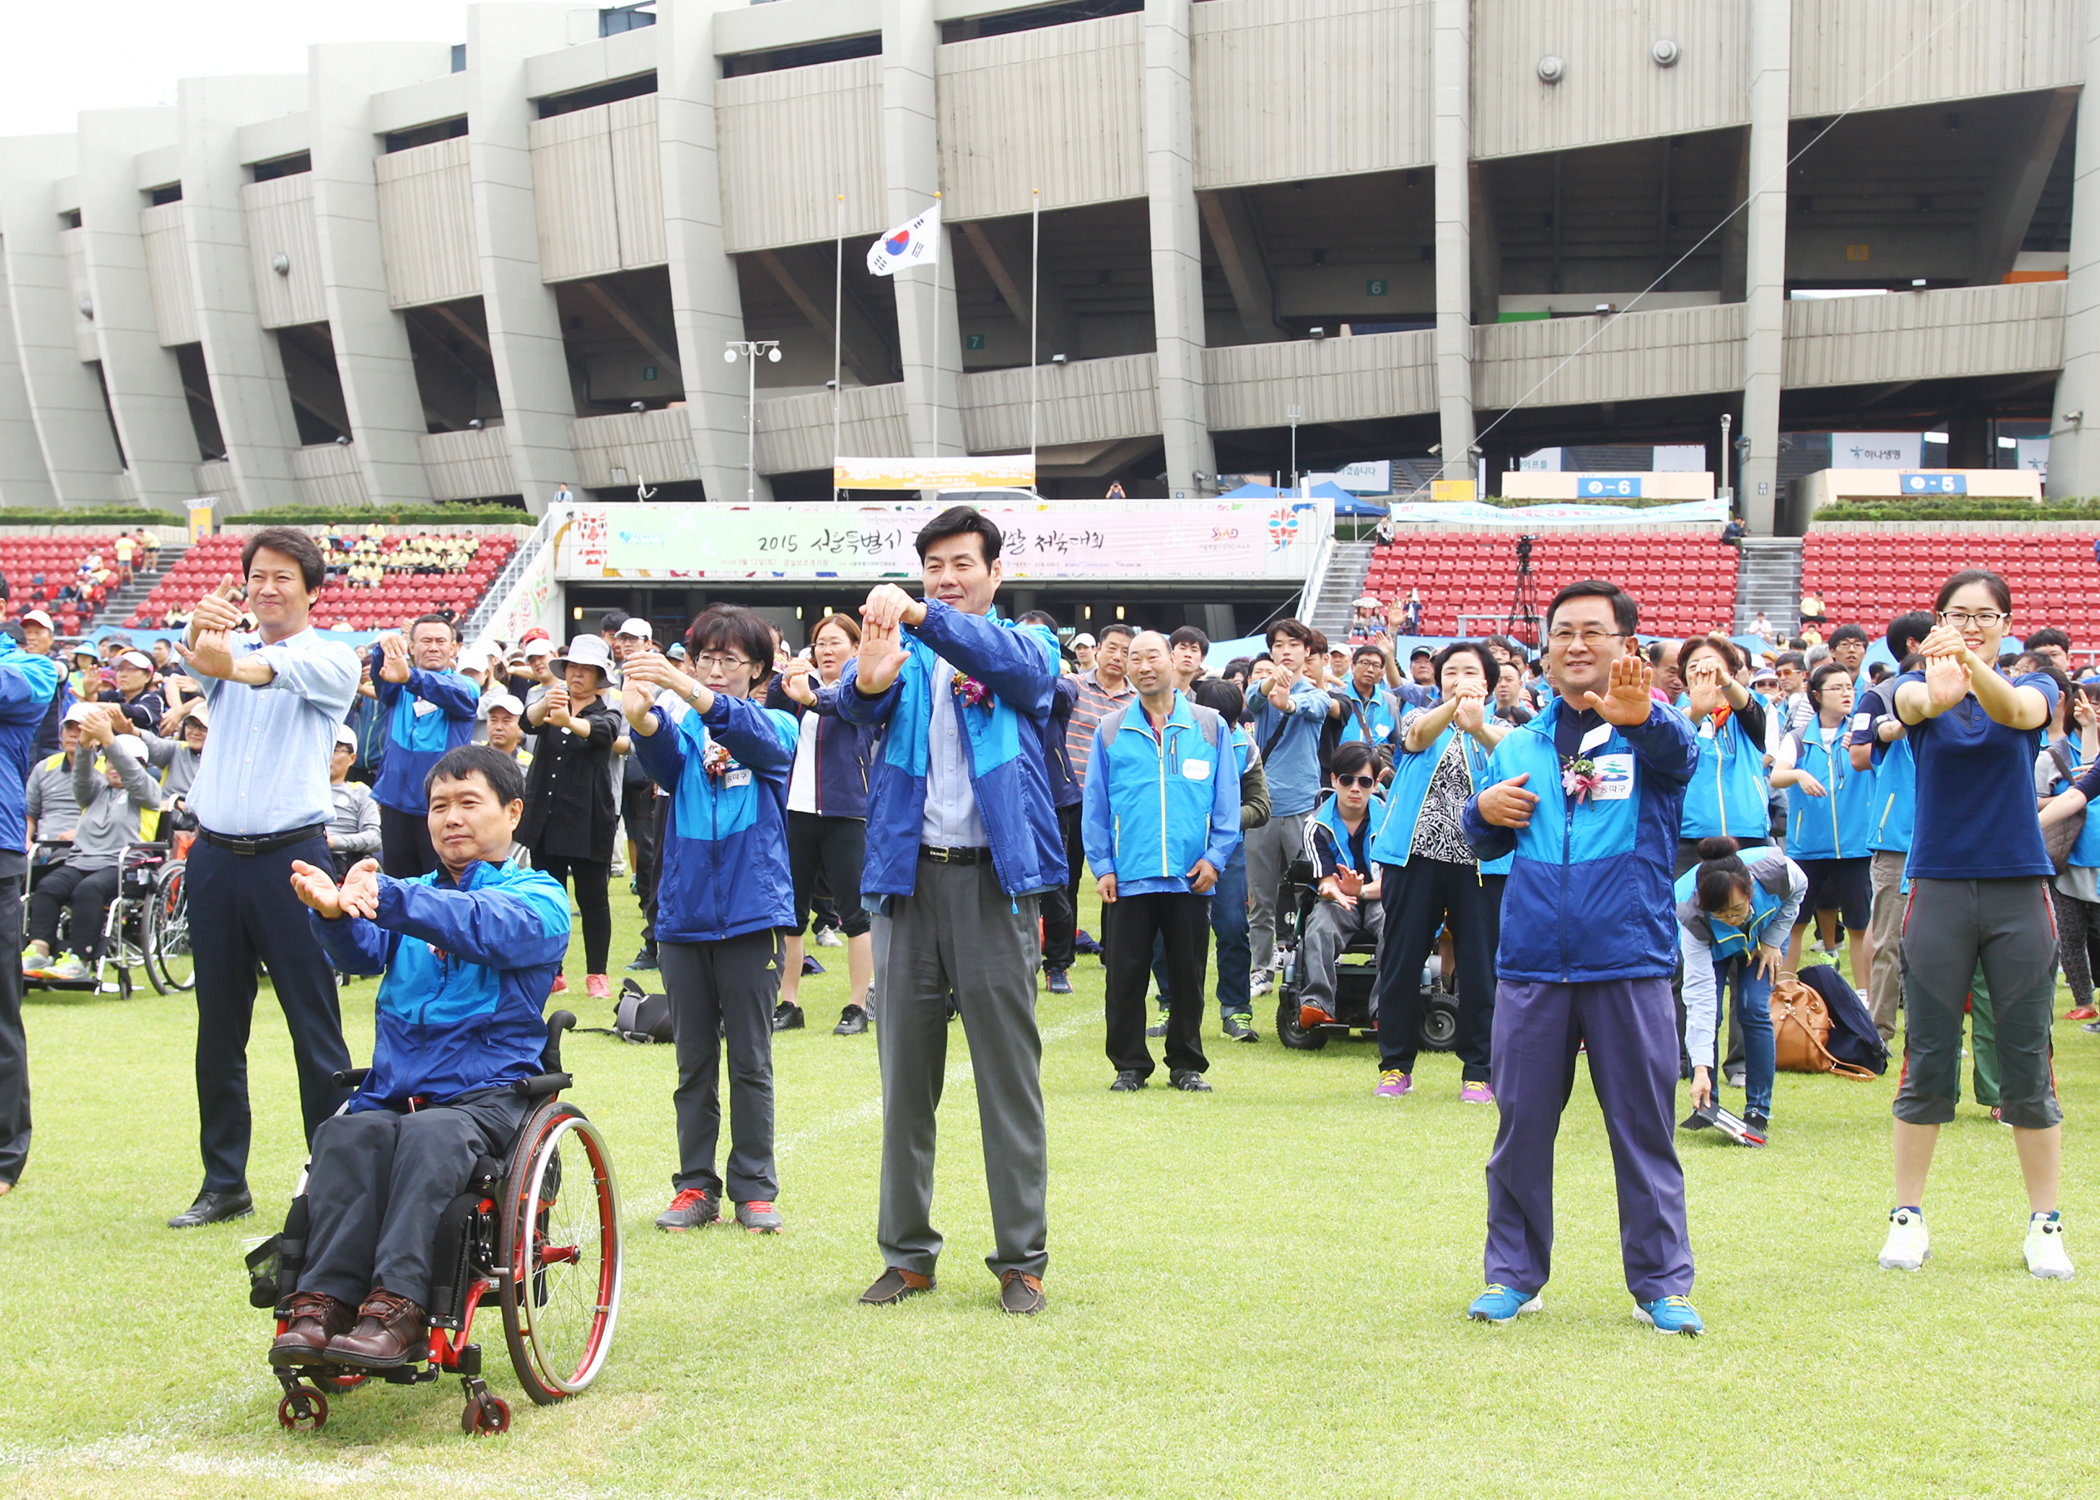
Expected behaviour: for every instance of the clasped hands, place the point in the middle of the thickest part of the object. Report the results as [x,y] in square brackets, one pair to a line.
[357,896]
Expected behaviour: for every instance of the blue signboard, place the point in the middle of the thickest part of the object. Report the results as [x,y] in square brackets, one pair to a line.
[1934,484]
[1608,487]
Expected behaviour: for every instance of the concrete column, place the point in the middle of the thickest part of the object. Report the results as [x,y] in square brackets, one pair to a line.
[371,339]
[912,170]
[2074,445]
[72,428]
[1451,64]
[1764,256]
[241,357]
[525,339]
[706,300]
[23,480]
[143,380]
[1177,251]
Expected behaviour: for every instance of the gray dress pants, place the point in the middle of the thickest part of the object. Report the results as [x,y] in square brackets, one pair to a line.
[959,931]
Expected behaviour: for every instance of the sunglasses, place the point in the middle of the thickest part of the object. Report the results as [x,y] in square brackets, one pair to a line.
[1362,781]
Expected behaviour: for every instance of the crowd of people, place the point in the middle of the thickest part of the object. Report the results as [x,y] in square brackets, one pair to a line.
[1602,847]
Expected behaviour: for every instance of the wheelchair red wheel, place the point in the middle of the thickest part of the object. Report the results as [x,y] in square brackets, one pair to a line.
[303,1407]
[484,1416]
[560,1250]
[340,1383]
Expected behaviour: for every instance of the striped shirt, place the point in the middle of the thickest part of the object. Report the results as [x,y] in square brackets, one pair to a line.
[1095,704]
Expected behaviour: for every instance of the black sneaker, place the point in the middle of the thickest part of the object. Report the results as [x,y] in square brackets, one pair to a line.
[691,1208]
[1161,1029]
[1189,1081]
[1239,1027]
[1058,982]
[852,1022]
[1762,1124]
[1129,1081]
[787,1017]
[644,960]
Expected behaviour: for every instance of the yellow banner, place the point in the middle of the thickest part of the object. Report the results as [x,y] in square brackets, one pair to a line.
[200,522]
[1452,489]
[995,471]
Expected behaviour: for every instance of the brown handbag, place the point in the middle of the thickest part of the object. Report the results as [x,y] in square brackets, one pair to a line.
[1801,1032]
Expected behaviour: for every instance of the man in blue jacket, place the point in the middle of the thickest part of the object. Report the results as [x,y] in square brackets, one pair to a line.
[1288,710]
[27,685]
[1162,818]
[429,709]
[962,841]
[468,954]
[1588,796]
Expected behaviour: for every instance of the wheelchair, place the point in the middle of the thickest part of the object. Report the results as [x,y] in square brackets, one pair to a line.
[146,927]
[1355,980]
[547,1261]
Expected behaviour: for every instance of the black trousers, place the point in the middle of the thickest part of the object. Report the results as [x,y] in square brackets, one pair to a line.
[242,909]
[86,893]
[14,1044]
[1419,898]
[592,901]
[724,993]
[659,817]
[379,1181]
[837,849]
[646,834]
[1129,926]
[405,850]
[1061,903]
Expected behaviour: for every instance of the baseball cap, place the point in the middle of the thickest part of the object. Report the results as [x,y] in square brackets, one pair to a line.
[1083,639]
[677,651]
[343,736]
[137,659]
[79,713]
[38,617]
[502,700]
[1419,651]
[637,627]
[539,646]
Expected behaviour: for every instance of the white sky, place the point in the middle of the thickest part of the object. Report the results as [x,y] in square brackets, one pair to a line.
[68,55]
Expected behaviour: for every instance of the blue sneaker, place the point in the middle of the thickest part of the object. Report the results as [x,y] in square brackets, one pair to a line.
[1670,1315]
[1501,1304]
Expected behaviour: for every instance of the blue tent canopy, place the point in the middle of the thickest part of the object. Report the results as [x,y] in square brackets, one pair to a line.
[1345,504]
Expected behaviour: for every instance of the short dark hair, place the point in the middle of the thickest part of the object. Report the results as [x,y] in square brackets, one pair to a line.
[2049,635]
[957,520]
[1221,696]
[288,541]
[1722,876]
[612,620]
[1039,617]
[1478,650]
[1241,667]
[445,620]
[1349,759]
[1824,673]
[1189,635]
[504,776]
[1117,627]
[1847,633]
[1906,630]
[1624,612]
[2000,589]
[1318,645]
[1731,653]
[1297,630]
[1790,659]
[742,630]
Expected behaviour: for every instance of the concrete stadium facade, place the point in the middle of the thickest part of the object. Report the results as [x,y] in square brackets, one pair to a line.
[1372,227]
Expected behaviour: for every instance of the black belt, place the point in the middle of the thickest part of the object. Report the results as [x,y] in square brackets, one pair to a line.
[955,856]
[266,843]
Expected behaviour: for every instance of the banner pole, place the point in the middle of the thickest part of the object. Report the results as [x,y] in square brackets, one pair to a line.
[838,324]
[1035,350]
[940,236]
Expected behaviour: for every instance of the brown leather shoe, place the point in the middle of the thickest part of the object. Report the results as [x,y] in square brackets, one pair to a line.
[1021,1293]
[389,1329]
[894,1285]
[311,1320]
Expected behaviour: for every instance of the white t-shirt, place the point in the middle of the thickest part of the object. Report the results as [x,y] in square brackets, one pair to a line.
[802,781]
[1832,740]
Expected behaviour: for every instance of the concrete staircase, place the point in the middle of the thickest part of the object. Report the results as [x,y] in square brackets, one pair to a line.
[116,614]
[1768,581]
[1340,588]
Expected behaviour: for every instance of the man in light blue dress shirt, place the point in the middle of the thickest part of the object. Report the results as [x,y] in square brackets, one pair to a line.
[261,800]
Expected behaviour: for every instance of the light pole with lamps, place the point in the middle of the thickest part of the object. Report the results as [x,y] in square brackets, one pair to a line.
[750,349]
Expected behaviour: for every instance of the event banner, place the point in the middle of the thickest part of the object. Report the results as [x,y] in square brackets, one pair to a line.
[1475,514]
[1193,539]
[984,472]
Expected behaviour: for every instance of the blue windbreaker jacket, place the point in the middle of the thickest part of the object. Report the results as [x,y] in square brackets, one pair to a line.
[1841,824]
[425,716]
[468,968]
[724,864]
[1589,895]
[1158,800]
[1004,742]
[27,684]
[1728,796]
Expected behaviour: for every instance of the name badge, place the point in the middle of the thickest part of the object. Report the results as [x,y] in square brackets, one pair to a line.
[424,706]
[1614,778]
[1196,770]
[735,779]
[1706,729]
[1859,723]
[1593,739]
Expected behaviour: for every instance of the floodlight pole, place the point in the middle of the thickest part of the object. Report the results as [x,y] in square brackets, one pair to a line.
[751,350]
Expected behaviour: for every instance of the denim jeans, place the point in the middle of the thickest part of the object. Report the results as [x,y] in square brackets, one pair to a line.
[1228,923]
[1753,1013]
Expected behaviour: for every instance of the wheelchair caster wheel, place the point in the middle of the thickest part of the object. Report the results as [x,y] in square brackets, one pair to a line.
[485,1415]
[305,1407]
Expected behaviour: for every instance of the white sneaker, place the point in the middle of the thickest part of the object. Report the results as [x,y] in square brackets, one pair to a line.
[2045,1249]
[1908,1246]
[1260,982]
[828,937]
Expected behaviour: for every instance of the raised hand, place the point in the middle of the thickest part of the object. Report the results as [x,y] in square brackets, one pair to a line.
[653,669]
[1703,683]
[636,702]
[1946,680]
[557,701]
[889,605]
[1470,711]
[220,609]
[359,894]
[882,657]
[795,675]
[1626,701]
[1507,805]
[316,887]
[394,666]
[1279,691]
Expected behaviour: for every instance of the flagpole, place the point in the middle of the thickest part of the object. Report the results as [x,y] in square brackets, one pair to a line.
[939,232]
[1035,352]
[838,324]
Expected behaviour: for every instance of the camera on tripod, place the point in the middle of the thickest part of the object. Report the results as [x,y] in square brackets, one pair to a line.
[1524,552]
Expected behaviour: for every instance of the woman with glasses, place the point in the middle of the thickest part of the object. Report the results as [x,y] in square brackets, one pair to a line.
[1727,797]
[1830,821]
[724,897]
[1979,875]
[1733,915]
[1429,874]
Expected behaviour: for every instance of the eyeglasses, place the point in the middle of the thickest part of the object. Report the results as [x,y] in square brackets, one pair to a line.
[1362,781]
[1567,637]
[721,663]
[1982,618]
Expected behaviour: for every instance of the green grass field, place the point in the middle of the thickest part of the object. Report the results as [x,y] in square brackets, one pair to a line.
[1256,1292]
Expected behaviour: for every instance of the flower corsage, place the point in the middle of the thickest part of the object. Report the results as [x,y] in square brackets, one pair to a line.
[1579,778]
[716,761]
[970,691]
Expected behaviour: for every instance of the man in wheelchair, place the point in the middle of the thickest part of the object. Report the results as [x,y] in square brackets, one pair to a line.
[469,953]
[1337,845]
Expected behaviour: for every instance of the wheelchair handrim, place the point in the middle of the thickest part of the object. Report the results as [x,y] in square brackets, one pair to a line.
[594,1220]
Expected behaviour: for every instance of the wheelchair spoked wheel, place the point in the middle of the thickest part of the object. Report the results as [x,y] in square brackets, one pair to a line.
[560,1254]
[166,932]
[1291,1033]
